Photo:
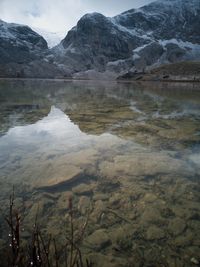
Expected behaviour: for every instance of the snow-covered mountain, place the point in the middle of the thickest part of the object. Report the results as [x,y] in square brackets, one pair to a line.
[23,53]
[19,43]
[165,31]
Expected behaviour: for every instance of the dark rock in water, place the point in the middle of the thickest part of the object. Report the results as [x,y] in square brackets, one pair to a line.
[84,205]
[83,189]
[194,261]
[176,226]
[154,233]
[65,183]
[99,240]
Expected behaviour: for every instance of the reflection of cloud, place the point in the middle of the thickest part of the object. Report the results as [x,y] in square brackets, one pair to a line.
[60,15]
[56,125]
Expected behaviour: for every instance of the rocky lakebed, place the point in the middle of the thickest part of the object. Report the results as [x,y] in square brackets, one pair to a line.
[127,153]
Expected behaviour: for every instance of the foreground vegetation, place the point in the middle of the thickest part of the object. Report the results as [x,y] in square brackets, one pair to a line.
[42,250]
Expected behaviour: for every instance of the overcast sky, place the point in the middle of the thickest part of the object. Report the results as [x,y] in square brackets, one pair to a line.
[60,15]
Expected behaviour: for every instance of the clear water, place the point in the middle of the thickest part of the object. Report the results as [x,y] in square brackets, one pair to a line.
[128,153]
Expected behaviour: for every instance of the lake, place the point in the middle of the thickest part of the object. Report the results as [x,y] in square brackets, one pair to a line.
[127,153]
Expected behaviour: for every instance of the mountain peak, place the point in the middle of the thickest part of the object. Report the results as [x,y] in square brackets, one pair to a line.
[19,43]
[164,31]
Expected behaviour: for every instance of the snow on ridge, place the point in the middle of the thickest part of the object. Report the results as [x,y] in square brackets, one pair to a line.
[133,32]
[10,30]
[192,5]
[138,49]
[116,62]
[181,43]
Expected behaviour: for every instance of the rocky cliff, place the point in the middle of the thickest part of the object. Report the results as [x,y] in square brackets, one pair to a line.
[163,32]
[19,44]
[23,52]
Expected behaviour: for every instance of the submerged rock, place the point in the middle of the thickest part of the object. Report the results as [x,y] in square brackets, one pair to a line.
[99,240]
[59,183]
[143,164]
[177,226]
[194,261]
[83,189]
[84,205]
[154,233]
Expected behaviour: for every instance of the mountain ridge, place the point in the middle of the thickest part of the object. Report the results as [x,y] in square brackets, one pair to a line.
[162,32]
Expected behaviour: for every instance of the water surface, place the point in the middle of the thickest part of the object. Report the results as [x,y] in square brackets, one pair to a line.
[128,153]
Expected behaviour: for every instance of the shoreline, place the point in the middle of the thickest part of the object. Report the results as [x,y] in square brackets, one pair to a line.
[99,80]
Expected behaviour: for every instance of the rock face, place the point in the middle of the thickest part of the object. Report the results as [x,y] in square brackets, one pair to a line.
[162,32]
[165,31]
[95,41]
[23,53]
[19,44]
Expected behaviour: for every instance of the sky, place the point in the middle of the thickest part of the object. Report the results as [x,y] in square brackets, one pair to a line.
[60,15]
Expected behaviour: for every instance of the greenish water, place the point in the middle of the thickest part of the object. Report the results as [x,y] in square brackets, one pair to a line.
[130,153]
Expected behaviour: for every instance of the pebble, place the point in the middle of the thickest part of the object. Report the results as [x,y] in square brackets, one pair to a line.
[194,261]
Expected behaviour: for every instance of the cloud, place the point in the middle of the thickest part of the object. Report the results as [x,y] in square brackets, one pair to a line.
[51,15]
[60,15]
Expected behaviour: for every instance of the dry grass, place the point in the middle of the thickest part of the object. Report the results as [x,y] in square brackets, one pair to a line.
[180,68]
[40,251]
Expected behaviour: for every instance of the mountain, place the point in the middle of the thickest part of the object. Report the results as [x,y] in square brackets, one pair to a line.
[23,52]
[18,43]
[164,31]
[138,40]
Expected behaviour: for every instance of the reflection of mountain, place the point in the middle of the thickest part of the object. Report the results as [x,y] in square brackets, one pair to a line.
[123,109]
[21,103]
[56,125]
[19,114]
[152,116]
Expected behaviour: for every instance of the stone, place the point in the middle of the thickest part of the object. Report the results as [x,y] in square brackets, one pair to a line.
[98,211]
[194,261]
[98,240]
[63,200]
[154,233]
[114,200]
[73,174]
[185,239]
[83,189]
[176,226]
[149,198]
[84,204]
[100,196]
[151,214]
[142,164]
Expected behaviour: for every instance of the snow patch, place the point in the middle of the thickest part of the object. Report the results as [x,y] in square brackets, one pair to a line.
[115,63]
[194,49]
[132,32]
